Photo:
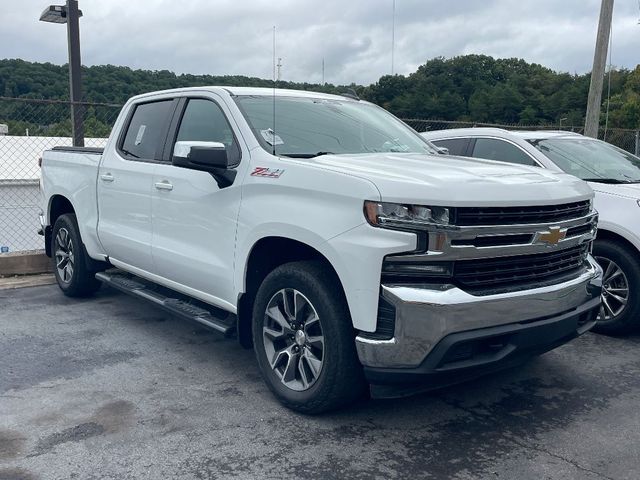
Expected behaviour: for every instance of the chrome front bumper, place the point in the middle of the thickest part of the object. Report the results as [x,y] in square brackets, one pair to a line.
[425,316]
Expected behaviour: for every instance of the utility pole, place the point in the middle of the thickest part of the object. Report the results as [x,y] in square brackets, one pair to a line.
[279,67]
[322,70]
[594,103]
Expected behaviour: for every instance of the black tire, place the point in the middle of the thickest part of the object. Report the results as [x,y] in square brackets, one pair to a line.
[79,280]
[340,380]
[626,259]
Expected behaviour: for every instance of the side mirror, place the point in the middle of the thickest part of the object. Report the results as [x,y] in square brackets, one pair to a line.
[204,156]
[442,150]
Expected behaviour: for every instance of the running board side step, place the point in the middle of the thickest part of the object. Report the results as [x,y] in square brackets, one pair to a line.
[171,301]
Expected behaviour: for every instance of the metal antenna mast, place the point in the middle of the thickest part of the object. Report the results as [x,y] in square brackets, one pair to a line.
[274,92]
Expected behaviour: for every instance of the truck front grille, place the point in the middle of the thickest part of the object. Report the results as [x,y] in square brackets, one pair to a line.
[475,216]
[497,275]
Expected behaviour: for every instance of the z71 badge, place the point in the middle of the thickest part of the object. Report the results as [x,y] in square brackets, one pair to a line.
[267,172]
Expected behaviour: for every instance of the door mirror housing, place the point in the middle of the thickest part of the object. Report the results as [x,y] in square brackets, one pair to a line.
[206,157]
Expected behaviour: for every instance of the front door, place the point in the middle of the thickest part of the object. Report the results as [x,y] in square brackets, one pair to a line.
[194,220]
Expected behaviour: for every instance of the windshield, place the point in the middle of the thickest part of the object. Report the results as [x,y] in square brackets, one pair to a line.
[308,127]
[591,160]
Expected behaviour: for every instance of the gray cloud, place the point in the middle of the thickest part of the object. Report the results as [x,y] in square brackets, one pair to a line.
[354,37]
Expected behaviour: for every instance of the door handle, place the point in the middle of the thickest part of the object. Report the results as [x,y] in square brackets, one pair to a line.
[107,177]
[164,185]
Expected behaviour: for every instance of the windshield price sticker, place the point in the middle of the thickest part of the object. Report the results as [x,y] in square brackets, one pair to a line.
[270,137]
[140,134]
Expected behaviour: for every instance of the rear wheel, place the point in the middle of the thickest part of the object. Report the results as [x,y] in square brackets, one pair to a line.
[73,269]
[304,340]
[620,309]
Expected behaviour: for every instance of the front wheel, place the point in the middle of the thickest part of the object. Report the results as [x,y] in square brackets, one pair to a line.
[304,339]
[71,264]
[620,309]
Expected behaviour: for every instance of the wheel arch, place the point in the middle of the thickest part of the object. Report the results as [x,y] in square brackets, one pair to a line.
[58,205]
[607,234]
[265,255]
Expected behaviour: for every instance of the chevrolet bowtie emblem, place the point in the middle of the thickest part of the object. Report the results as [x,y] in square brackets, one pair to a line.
[552,237]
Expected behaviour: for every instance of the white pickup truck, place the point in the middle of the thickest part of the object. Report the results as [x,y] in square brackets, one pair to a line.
[327,235]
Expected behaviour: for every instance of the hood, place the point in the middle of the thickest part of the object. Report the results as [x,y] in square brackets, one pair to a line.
[628,190]
[458,181]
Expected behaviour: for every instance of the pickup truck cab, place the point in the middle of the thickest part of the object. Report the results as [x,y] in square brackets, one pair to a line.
[325,234]
[613,174]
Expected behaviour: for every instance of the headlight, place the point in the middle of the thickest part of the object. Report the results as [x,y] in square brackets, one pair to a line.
[381,214]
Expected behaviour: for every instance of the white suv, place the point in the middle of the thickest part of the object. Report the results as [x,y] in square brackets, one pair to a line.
[614,175]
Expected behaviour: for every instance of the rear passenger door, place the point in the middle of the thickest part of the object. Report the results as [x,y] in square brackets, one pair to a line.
[125,179]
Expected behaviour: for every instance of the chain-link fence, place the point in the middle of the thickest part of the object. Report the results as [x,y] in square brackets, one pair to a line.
[628,140]
[27,128]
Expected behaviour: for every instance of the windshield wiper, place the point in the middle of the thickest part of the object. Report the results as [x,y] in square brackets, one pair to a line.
[305,155]
[610,181]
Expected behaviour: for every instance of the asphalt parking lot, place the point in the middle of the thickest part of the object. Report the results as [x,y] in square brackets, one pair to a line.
[112,388]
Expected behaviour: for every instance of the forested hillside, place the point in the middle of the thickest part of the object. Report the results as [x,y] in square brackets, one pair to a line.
[471,88]
[482,89]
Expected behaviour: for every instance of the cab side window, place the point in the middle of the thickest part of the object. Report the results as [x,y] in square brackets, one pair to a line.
[495,149]
[146,132]
[204,121]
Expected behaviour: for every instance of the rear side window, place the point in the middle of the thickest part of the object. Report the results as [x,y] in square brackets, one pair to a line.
[146,131]
[456,146]
[494,149]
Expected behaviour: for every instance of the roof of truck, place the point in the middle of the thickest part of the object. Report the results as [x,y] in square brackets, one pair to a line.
[258,91]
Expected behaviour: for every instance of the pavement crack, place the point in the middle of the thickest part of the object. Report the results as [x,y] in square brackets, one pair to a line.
[486,418]
[559,457]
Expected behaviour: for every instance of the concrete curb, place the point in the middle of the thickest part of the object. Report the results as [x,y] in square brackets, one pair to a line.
[23,281]
[24,264]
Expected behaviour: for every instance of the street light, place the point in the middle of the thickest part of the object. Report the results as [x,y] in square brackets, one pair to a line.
[70,14]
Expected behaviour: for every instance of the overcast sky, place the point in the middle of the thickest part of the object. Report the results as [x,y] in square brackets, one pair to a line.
[353,36]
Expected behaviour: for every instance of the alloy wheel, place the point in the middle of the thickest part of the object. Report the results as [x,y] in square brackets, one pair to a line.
[615,290]
[64,255]
[293,339]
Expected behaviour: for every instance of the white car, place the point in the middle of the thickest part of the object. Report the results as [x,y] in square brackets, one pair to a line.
[614,175]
